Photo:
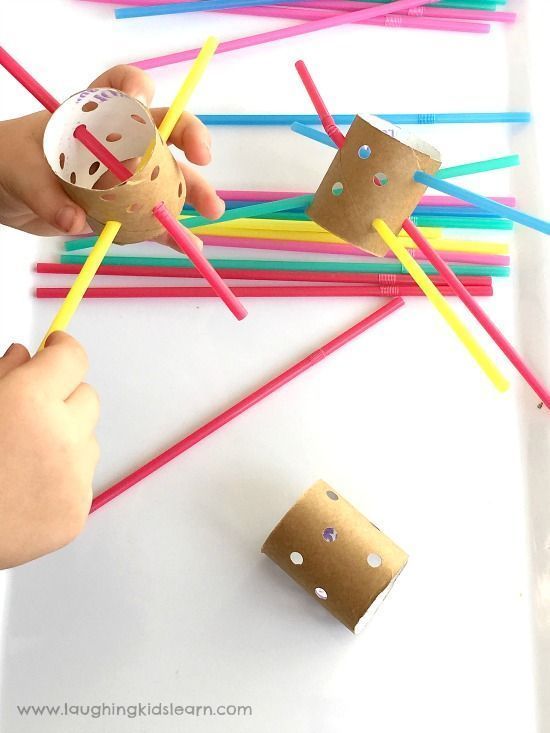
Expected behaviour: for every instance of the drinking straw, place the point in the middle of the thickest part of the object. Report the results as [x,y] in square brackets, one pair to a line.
[480,166]
[488,5]
[27,81]
[142,11]
[479,314]
[236,273]
[281,33]
[269,291]
[428,118]
[190,83]
[427,11]
[252,210]
[320,107]
[183,239]
[242,405]
[380,266]
[296,220]
[102,153]
[484,203]
[258,196]
[442,306]
[394,20]
[83,280]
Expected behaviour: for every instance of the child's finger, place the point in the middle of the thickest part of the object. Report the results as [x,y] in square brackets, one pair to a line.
[15,356]
[59,368]
[84,404]
[128,79]
[201,194]
[189,135]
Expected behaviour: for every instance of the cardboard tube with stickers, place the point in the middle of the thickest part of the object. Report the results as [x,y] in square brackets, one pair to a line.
[126,128]
[339,558]
[371,177]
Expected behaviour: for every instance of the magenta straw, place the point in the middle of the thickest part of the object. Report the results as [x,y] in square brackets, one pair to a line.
[394,20]
[281,33]
[424,12]
[260,196]
[272,245]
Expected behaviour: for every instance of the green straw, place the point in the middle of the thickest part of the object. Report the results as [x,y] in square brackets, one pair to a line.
[243,212]
[444,222]
[291,265]
[480,166]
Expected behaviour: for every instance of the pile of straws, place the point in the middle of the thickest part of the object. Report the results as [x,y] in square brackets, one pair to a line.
[466,16]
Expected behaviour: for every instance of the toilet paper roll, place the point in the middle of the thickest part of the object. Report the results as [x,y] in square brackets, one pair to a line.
[371,177]
[127,129]
[336,554]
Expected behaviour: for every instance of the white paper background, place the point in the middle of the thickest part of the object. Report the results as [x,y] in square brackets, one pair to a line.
[165,596]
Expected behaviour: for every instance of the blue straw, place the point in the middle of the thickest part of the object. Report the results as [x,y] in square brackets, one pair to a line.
[484,203]
[395,119]
[190,7]
[251,210]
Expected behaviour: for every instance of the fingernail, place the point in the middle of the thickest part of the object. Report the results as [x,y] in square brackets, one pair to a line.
[208,146]
[7,351]
[65,218]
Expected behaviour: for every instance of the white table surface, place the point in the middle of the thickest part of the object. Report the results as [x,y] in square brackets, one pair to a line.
[165,596]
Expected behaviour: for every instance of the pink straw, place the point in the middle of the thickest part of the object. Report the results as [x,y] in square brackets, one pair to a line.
[256,291]
[476,258]
[281,33]
[394,21]
[243,405]
[27,81]
[104,155]
[182,238]
[498,337]
[320,107]
[246,195]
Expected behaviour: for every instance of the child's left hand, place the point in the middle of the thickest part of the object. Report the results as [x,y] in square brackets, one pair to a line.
[31,197]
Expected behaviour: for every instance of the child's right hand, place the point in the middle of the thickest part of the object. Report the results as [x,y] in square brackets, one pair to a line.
[48,451]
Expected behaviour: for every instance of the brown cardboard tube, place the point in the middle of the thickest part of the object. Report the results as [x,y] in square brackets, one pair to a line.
[127,129]
[371,177]
[340,558]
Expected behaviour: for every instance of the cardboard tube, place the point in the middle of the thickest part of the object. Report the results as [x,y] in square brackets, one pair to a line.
[371,177]
[126,128]
[338,557]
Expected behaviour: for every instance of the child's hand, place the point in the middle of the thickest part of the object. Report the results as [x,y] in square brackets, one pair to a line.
[32,199]
[48,450]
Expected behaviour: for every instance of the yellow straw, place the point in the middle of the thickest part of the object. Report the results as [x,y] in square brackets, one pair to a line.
[228,229]
[188,87]
[439,302]
[83,279]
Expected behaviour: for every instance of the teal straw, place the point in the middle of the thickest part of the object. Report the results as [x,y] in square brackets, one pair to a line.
[265,207]
[480,166]
[292,265]
[421,220]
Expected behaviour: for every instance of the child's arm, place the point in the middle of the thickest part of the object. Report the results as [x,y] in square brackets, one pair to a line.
[31,197]
[48,451]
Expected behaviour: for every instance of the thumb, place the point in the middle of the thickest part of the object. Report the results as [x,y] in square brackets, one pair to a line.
[128,79]
[15,356]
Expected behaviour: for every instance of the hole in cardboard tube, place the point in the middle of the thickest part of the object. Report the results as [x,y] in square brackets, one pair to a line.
[337,188]
[296,558]
[139,119]
[134,207]
[374,560]
[330,534]
[180,190]
[155,172]
[332,495]
[73,177]
[93,168]
[380,179]
[321,593]
[364,152]
[62,161]
[89,106]
[108,197]
[113,137]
